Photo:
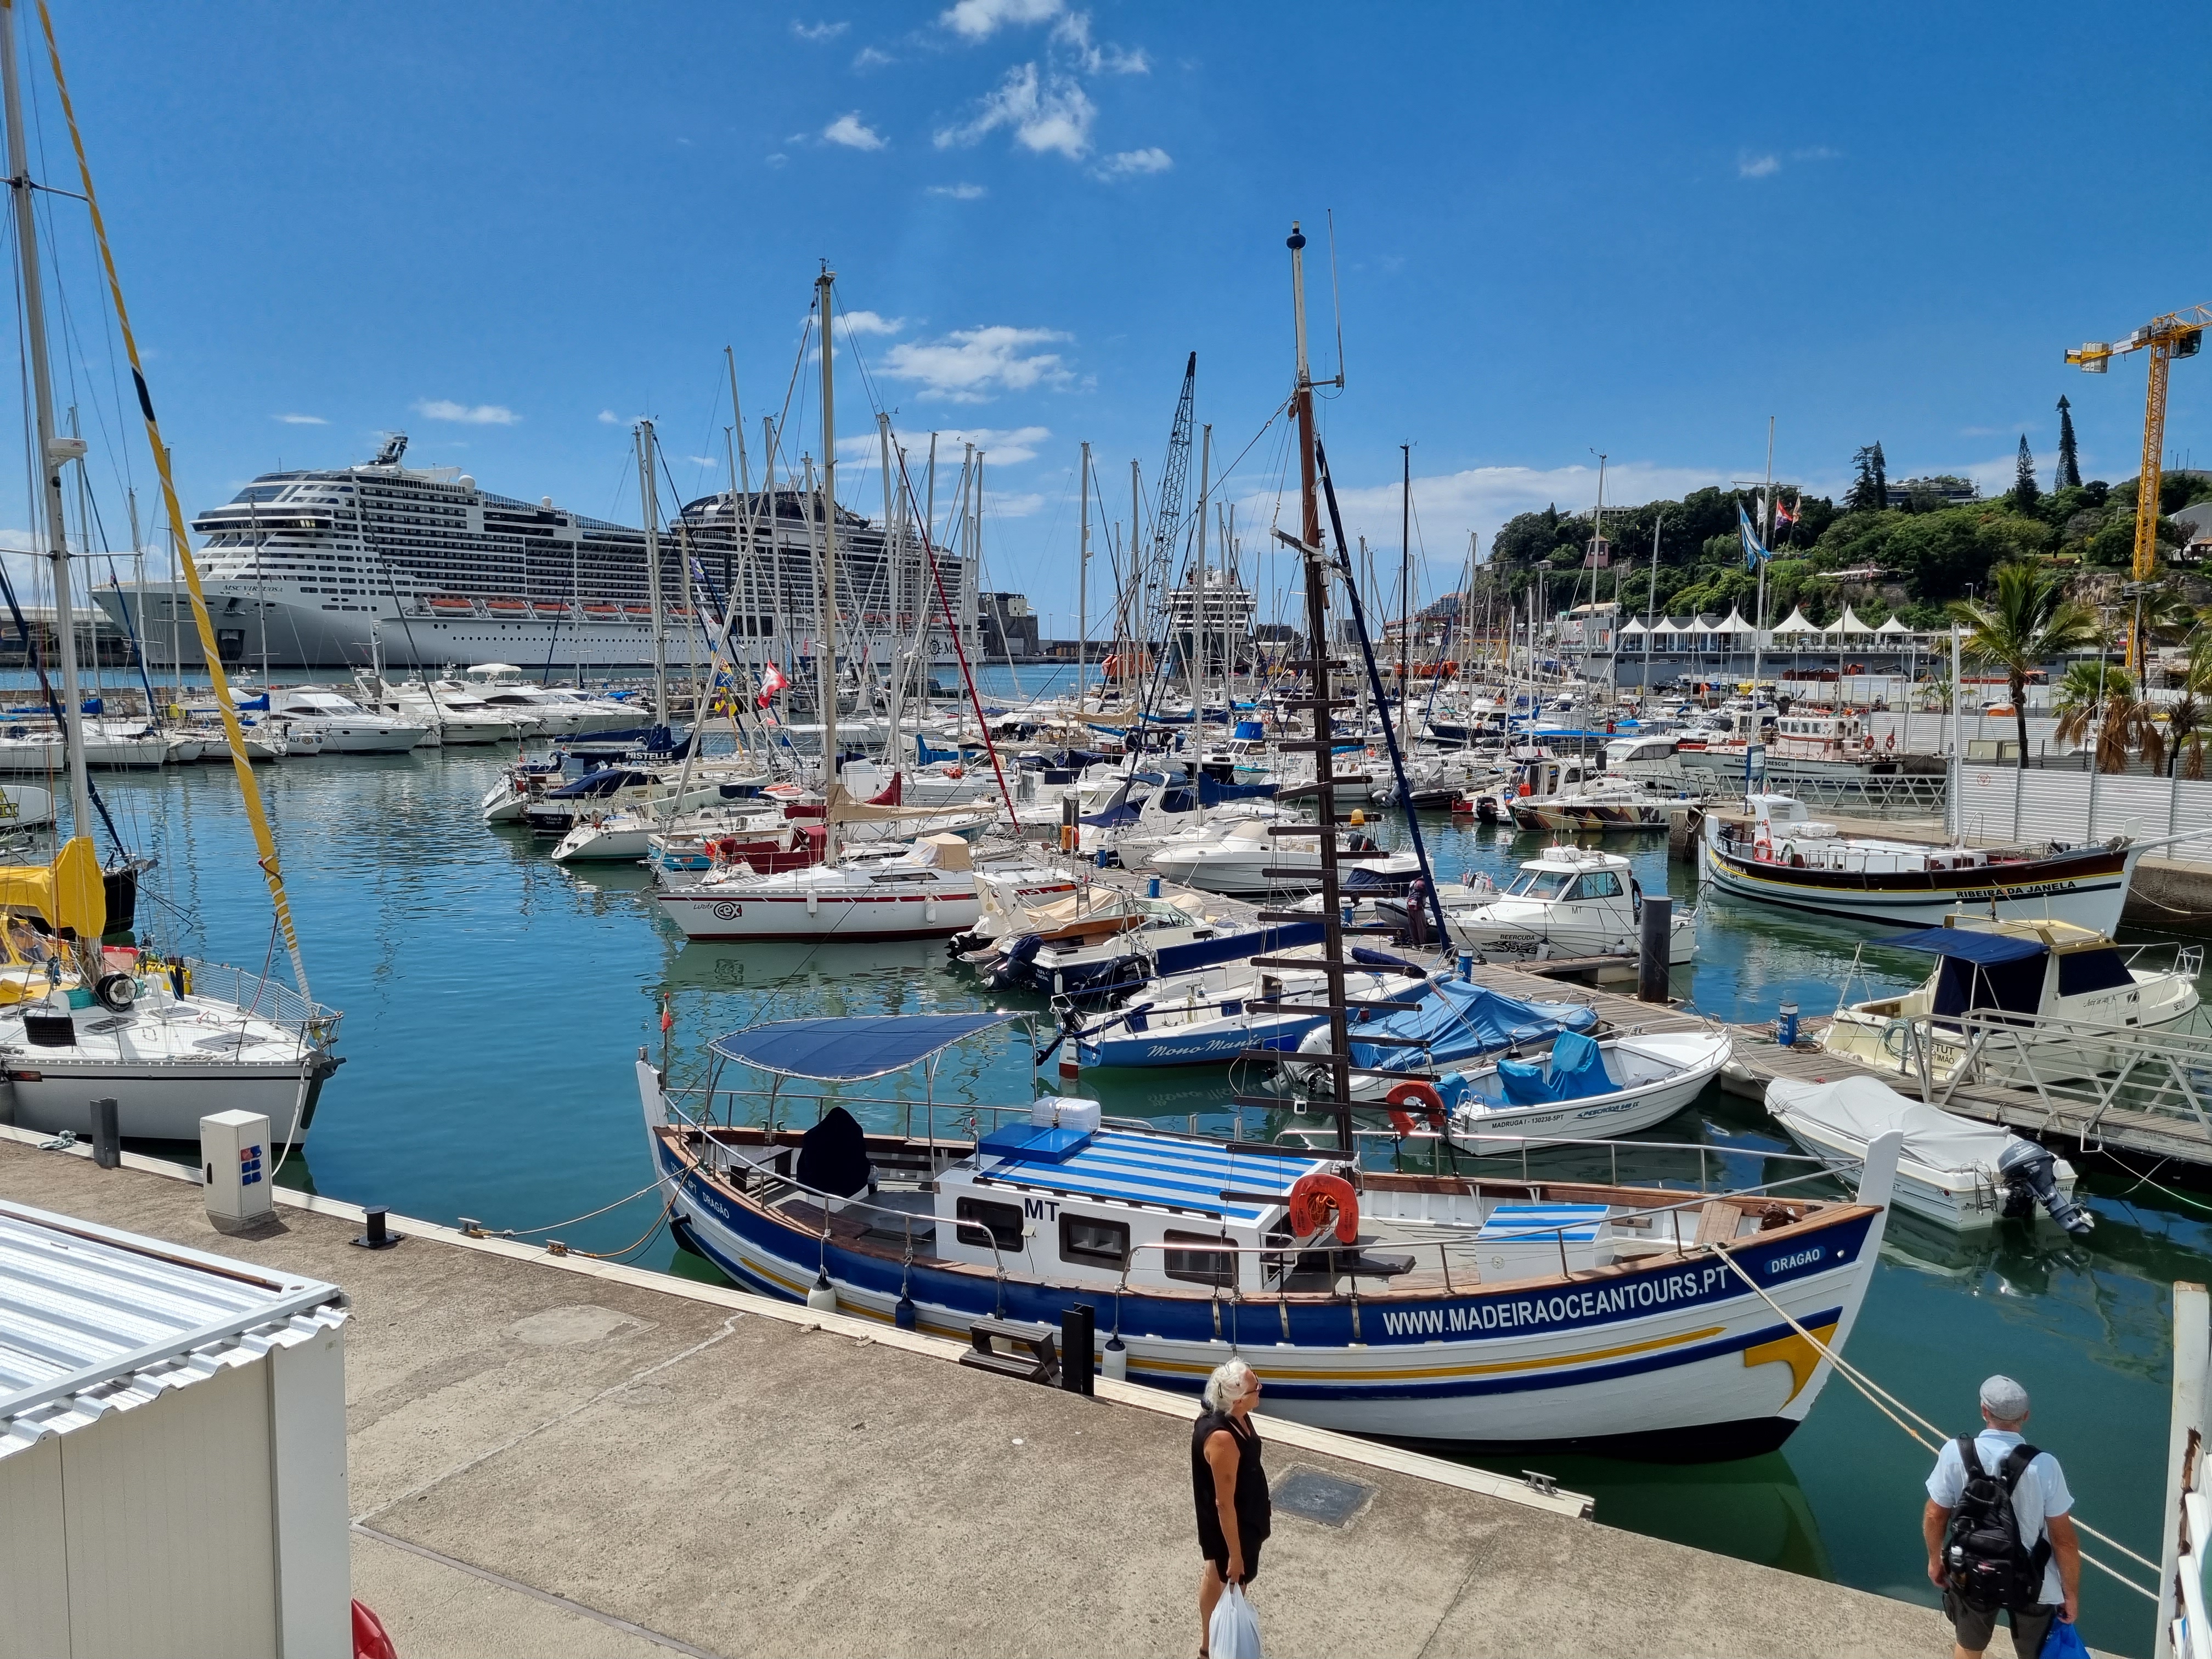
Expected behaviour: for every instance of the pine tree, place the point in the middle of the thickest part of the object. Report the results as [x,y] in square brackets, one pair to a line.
[2068,475]
[2025,492]
[1866,493]
[1881,476]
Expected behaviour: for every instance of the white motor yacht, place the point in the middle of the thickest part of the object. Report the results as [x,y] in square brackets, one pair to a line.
[927,890]
[1603,804]
[455,718]
[1570,901]
[559,711]
[1247,857]
[344,726]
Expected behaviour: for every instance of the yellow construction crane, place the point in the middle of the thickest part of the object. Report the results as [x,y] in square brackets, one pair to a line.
[2178,334]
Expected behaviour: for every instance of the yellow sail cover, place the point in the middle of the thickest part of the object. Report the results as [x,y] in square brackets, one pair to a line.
[69,894]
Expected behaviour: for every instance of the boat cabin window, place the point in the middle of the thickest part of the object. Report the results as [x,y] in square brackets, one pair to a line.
[1599,884]
[1001,1223]
[1544,884]
[1093,1240]
[1200,1266]
[2081,972]
[2015,987]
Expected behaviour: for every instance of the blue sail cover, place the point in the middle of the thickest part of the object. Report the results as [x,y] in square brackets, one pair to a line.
[850,1049]
[1459,1021]
[1211,793]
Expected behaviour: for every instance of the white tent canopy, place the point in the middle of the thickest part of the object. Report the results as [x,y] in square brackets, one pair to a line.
[1634,625]
[1849,623]
[1735,623]
[1797,622]
[1892,626]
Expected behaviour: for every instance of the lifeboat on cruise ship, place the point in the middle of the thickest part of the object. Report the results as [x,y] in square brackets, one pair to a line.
[603,611]
[509,609]
[549,607]
[638,612]
[450,604]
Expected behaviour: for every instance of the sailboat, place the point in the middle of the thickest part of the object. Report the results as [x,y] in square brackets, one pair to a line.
[1419,1306]
[168,1039]
[925,892]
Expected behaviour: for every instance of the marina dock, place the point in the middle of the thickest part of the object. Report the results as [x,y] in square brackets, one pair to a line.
[557,1456]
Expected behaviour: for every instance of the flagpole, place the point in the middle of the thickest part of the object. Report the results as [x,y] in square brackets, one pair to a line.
[1765,542]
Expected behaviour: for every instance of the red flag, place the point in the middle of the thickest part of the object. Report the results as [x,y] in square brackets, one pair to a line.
[771,682]
[1783,514]
[667,1018]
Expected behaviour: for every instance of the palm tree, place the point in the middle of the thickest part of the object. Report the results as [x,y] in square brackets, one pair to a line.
[2188,715]
[2027,621]
[2098,704]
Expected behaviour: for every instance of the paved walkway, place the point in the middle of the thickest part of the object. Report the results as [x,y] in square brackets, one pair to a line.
[548,1460]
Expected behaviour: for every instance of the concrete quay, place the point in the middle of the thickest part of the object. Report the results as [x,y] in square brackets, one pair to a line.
[554,1456]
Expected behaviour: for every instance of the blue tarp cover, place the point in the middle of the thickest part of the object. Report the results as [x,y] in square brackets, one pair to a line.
[847,1049]
[1458,1020]
[1576,1071]
[1987,949]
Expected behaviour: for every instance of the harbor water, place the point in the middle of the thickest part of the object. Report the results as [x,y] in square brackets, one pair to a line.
[494,1003]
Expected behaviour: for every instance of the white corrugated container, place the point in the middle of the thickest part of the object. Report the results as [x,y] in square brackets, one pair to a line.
[171,1450]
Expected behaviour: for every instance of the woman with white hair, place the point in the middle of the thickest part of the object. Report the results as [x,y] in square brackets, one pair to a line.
[1229,1487]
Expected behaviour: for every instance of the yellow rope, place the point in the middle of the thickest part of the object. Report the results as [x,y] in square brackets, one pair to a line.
[240,761]
[1876,1395]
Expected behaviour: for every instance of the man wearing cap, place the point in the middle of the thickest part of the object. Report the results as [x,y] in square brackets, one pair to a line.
[2040,1506]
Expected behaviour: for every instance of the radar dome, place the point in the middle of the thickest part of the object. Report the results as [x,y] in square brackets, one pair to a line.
[466,482]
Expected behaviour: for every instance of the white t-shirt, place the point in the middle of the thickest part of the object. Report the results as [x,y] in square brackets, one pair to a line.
[2040,1495]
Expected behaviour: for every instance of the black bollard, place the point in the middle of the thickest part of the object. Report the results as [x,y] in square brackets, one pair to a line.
[1079,1326]
[380,1235]
[1654,939]
[106,1135]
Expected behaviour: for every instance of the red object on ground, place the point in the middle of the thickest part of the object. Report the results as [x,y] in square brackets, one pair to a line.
[369,1639]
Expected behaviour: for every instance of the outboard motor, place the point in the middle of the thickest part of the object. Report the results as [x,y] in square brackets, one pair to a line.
[1014,967]
[2028,1170]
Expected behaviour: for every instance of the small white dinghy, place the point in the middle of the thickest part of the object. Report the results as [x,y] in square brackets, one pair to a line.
[1584,1087]
[1962,1173]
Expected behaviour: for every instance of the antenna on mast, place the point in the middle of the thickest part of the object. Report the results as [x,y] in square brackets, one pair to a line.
[1335,298]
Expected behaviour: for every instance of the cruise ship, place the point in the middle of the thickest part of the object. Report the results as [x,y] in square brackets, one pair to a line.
[321,569]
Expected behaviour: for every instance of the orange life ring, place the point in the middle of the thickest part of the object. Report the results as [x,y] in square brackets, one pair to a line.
[1422,1095]
[1316,1197]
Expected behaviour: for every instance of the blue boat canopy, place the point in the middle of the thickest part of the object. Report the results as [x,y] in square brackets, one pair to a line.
[1457,1021]
[1988,949]
[852,1048]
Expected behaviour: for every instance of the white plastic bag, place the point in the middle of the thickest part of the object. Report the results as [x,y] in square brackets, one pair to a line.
[1234,1632]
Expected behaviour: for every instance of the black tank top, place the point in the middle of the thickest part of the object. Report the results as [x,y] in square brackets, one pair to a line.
[1255,1511]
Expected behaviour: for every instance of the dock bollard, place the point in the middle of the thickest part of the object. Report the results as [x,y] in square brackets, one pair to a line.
[106,1136]
[1654,939]
[1785,1025]
[1079,1328]
[232,1166]
[1152,887]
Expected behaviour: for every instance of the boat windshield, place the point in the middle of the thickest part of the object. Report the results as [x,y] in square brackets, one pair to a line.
[1544,884]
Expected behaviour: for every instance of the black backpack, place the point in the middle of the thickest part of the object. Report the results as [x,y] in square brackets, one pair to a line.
[1984,1560]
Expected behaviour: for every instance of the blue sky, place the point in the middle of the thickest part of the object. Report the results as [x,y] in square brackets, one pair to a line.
[509,229]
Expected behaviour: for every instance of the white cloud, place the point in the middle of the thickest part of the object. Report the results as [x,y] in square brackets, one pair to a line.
[1055,114]
[852,132]
[301,419]
[607,418]
[703,461]
[1011,506]
[959,192]
[869,322]
[979,20]
[818,31]
[1817,153]
[445,409]
[1124,163]
[1071,34]
[1001,445]
[968,365]
[1748,165]
[868,58]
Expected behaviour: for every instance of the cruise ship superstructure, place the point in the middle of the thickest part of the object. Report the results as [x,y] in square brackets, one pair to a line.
[318,569]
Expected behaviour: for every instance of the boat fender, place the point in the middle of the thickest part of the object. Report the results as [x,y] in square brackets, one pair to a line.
[116,991]
[1421,1095]
[1316,1197]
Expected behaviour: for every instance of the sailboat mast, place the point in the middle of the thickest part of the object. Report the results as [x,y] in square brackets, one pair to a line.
[53,451]
[651,506]
[1082,589]
[826,661]
[1324,786]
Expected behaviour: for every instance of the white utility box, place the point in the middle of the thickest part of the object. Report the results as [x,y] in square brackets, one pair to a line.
[236,1165]
[173,1475]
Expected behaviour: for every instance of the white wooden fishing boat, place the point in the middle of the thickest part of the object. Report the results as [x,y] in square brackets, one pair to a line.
[1431,1308]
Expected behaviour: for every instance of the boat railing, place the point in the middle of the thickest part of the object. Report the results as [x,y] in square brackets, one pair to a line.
[259,996]
[1309,1138]
[2159,1072]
